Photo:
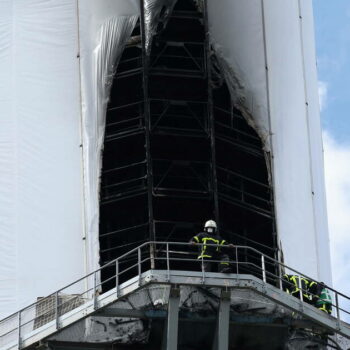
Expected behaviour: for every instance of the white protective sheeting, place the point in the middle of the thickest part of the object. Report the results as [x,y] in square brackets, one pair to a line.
[315,138]
[57,60]
[40,158]
[267,49]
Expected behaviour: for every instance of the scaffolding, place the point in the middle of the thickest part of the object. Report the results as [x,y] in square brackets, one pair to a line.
[177,152]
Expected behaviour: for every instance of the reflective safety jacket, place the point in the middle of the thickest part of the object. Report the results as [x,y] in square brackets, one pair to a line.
[325,297]
[291,286]
[324,301]
[205,250]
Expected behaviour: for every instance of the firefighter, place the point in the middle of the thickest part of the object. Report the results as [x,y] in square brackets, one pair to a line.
[208,253]
[323,300]
[291,286]
[314,293]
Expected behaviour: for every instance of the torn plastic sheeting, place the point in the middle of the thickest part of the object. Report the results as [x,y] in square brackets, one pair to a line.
[199,4]
[156,11]
[241,98]
[114,35]
[237,38]
[112,38]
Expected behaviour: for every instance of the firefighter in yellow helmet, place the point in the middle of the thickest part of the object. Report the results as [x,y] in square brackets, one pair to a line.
[208,253]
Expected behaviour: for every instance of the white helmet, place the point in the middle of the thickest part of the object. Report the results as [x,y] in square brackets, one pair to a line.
[210,226]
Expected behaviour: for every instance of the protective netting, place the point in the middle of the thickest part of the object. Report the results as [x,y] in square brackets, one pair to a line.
[46,309]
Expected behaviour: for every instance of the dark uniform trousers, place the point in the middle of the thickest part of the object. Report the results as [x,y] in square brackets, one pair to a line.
[209,253]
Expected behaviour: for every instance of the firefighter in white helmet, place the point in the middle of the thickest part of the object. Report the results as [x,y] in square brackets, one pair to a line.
[211,248]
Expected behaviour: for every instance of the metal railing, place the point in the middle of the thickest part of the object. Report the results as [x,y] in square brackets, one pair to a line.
[159,255]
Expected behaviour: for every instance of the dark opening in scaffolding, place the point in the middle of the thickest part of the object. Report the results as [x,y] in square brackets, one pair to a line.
[177,152]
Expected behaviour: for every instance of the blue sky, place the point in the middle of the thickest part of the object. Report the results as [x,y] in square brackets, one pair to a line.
[332,26]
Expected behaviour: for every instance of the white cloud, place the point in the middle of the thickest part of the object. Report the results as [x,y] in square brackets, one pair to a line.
[322,94]
[337,169]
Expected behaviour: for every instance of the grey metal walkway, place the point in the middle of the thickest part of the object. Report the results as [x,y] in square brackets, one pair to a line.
[65,307]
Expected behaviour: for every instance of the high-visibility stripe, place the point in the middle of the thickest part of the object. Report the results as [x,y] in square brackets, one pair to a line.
[224,263]
[223,242]
[205,239]
[323,308]
[204,256]
[295,280]
[196,238]
[307,296]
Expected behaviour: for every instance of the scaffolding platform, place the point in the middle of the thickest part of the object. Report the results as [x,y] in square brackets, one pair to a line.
[171,309]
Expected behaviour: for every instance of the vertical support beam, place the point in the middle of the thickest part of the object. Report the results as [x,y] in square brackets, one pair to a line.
[221,339]
[165,334]
[211,114]
[173,319]
[145,64]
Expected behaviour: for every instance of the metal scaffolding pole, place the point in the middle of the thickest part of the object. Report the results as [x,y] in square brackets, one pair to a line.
[221,339]
[211,114]
[173,319]
[145,61]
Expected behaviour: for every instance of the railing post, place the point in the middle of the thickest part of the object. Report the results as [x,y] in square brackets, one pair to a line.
[337,308]
[237,260]
[300,289]
[95,291]
[117,277]
[19,330]
[139,263]
[263,268]
[280,277]
[279,269]
[153,262]
[56,310]
[203,273]
[167,261]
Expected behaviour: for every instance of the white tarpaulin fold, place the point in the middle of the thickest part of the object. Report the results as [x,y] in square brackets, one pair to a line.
[105,27]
